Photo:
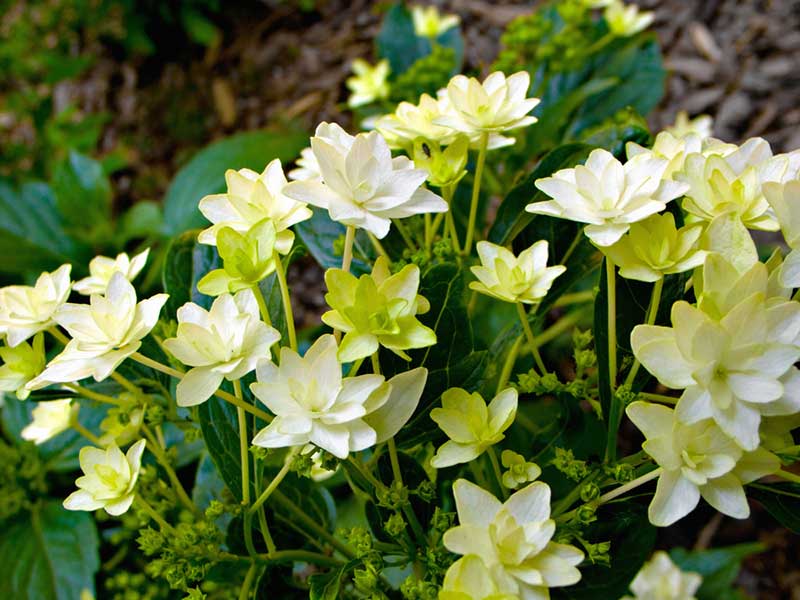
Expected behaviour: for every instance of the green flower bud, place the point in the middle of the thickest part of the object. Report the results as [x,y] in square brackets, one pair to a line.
[445,167]
[395,525]
[587,514]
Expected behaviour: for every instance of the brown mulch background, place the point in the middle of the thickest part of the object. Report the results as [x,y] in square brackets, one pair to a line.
[738,60]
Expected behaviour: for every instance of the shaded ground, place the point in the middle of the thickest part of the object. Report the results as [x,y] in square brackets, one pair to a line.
[738,60]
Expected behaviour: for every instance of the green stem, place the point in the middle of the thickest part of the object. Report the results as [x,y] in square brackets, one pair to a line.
[347,255]
[575,241]
[526,326]
[428,233]
[312,525]
[287,302]
[262,303]
[162,460]
[92,395]
[624,489]
[56,333]
[86,433]
[498,473]
[132,388]
[249,579]
[376,244]
[652,312]
[574,298]
[659,398]
[557,328]
[788,476]
[508,365]
[151,512]
[287,465]
[615,412]
[405,235]
[149,362]
[244,459]
[284,556]
[476,191]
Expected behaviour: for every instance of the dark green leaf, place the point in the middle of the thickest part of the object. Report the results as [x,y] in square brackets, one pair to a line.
[782,501]
[319,233]
[328,586]
[83,195]
[49,554]
[208,486]
[205,173]
[719,567]
[220,426]
[185,264]
[32,233]
[143,220]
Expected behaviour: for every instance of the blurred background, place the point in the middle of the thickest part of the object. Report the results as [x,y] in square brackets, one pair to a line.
[142,86]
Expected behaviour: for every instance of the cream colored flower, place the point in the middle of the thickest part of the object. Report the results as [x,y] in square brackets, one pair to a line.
[370,83]
[101,268]
[655,247]
[662,579]
[50,419]
[520,471]
[469,579]
[626,21]
[104,333]
[733,370]
[225,342]
[363,186]
[411,121]
[496,105]
[314,403]
[502,275]
[307,165]
[471,425]
[608,195]
[701,125]
[109,479]
[513,539]
[376,310]
[250,199]
[429,23]
[26,310]
[784,198]
[696,460]
[21,363]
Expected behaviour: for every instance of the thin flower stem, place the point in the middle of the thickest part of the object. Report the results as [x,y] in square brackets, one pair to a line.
[575,241]
[437,222]
[526,327]
[405,235]
[508,365]
[652,312]
[244,459]
[286,300]
[56,333]
[124,382]
[347,255]
[498,473]
[659,398]
[574,298]
[287,465]
[262,304]
[262,515]
[624,489]
[312,525]
[162,460]
[283,556]
[557,328]
[249,579]
[615,413]
[450,225]
[92,395]
[365,472]
[86,433]
[151,512]
[476,191]
[788,476]
[398,474]
[355,367]
[428,233]
[376,243]
[149,362]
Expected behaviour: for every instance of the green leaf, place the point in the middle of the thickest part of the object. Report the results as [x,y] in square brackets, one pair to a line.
[49,554]
[32,234]
[719,567]
[83,197]
[205,173]
[208,486]
[143,220]
[319,233]
[402,47]
[632,539]
[328,586]
[782,501]
[186,262]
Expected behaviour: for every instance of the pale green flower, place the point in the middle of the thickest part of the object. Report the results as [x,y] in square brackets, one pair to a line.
[626,20]
[496,105]
[700,125]
[608,195]
[307,165]
[733,370]
[109,479]
[429,23]
[224,342]
[121,430]
[502,275]
[519,471]
[50,419]
[471,425]
[370,83]
[469,579]
[249,199]
[655,247]
[697,460]
[375,310]
[784,198]
[733,182]
[411,121]
[104,333]
[101,268]
[21,364]
[363,186]
[247,259]
[445,167]
[661,579]
[314,403]
[26,310]
[513,539]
